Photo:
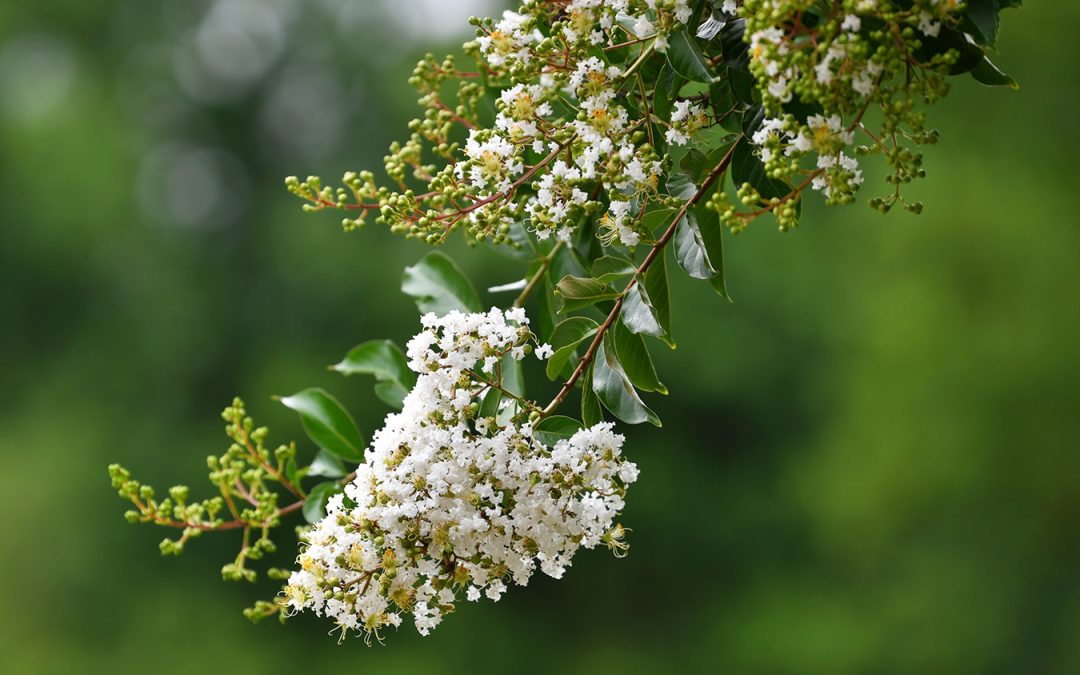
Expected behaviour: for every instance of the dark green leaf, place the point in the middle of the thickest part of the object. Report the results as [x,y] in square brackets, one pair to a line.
[384,360]
[545,297]
[565,339]
[983,15]
[591,412]
[634,356]
[489,407]
[327,423]
[665,91]
[610,268]
[437,285]
[381,358]
[989,74]
[658,219]
[551,430]
[695,165]
[578,292]
[655,287]
[686,58]
[712,234]
[315,504]
[614,389]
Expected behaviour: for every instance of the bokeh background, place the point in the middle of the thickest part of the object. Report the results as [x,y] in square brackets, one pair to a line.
[869,461]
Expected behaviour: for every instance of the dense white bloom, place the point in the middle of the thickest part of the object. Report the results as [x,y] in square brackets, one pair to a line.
[451,501]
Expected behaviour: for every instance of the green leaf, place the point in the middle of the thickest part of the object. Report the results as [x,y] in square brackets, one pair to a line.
[578,292]
[984,19]
[551,430]
[614,389]
[384,360]
[686,58]
[610,268]
[690,248]
[712,234]
[666,90]
[634,356]
[489,407]
[546,316]
[987,73]
[695,165]
[391,393]
[327,423]
[564,341]
[679,185]
[326,465]
[315,505]
[381,358]
[438,285]
[657,219]
[591,412]
[638,313]
[513,379]
[655,287]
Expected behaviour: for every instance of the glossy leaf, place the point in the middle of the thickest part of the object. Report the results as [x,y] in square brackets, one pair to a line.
[987,73]
[690,248]
[679,185]
[578,292]
[657,220]
[489,406]
[384,360]
[513,379]
[327,423]
[591,411]
[551,430]
[638,313]
[326,465]
[609,268]
[391,393]
[634,356]
[438,285]
[614,389]
[315,505]
[381,358]
[564,341]
[686,58]
[655,287]
[712,234]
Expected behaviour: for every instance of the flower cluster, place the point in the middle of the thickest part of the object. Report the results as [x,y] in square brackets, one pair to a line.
[819,74]
[456,497]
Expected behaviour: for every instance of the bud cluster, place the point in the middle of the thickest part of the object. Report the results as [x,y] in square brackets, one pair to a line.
[248,477]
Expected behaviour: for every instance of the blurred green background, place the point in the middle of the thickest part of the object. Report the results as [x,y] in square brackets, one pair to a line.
[869,461]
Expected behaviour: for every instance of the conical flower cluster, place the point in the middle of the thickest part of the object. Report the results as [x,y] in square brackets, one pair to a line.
[459,499]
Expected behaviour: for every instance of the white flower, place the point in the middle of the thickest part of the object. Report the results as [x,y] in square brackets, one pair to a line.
[445,503]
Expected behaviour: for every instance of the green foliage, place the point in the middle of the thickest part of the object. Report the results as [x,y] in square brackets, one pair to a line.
[437,285]
[327,423]
[384,360]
